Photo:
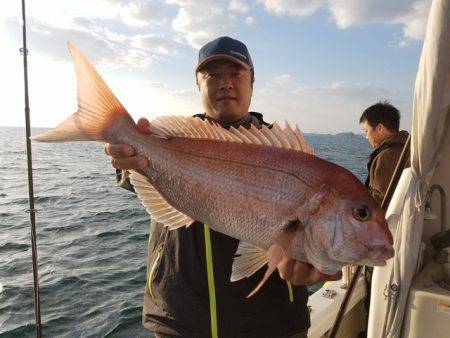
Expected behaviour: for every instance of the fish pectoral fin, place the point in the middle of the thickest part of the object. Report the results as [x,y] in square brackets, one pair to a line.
[252,258]
[275,255]
[248,260]
[156,205]
[278,251]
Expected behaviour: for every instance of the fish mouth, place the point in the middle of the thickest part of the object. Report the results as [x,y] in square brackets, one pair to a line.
[378,255]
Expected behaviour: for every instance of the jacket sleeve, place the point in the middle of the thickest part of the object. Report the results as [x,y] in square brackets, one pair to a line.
[383,169]
[123,179]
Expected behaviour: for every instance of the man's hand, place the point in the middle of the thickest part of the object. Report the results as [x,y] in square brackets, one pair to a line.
[300,273]
[123,154]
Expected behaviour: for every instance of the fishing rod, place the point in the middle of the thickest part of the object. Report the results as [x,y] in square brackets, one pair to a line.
[31,210]
[401,164]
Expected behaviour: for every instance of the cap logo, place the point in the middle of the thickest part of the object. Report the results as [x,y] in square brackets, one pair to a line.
[237,53]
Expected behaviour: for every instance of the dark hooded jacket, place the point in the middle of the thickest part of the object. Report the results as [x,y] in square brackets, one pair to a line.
[382,163]
[176,298]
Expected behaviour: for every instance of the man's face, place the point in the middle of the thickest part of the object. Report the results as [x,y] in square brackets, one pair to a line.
[374,135]
[225,89]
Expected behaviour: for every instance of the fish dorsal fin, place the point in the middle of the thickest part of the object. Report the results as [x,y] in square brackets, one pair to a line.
[156,205]
[248,260]
[192,127]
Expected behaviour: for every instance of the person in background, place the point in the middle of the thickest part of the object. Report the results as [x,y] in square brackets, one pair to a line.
[381,123]
[178,292]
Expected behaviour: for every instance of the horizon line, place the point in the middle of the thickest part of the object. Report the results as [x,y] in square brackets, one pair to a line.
[304,132]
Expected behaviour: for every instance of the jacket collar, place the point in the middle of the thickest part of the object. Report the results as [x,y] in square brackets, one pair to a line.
[253,118]
[396,138]
[392,141]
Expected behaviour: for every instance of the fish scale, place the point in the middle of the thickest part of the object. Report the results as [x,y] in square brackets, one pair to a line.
[198,173]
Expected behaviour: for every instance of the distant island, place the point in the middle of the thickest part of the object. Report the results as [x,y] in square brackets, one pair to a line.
[350,134]
[343,134]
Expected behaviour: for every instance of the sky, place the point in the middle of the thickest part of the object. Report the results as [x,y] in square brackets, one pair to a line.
[318,63]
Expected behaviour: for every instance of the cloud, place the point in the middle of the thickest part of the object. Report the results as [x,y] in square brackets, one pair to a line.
[347,13]
[249,21]
[154,43]
[411,14]
[103,46]
[283,78]
[141,12]
[415,22]
[200,21]
[238,6]
[61,12]
[8,9]
[116,30]
[203,20]
[329,108]
[293,7]
[167,101]
[345,91]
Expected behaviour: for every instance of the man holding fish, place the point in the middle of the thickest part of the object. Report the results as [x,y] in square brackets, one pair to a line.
[225,77]
[269,200]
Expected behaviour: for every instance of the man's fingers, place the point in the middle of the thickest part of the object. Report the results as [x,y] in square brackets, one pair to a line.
[315,276]
[143,125]
[133,162]
[301,273]
[336,276]
[118,150]
[122,154]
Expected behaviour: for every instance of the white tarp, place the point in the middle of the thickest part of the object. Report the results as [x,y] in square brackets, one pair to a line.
[430,131]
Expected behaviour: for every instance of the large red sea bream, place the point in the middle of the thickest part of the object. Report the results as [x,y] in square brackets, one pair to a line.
[261,186]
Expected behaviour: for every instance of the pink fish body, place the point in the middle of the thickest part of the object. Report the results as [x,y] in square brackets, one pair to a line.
[263,187]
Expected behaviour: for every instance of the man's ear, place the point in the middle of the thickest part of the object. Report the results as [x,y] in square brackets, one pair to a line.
[385,129]
[196,81]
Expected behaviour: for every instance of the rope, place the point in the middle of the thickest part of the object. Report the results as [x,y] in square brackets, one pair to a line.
[291,294]
[211,285]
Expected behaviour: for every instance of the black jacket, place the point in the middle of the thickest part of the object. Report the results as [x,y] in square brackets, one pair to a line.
[176,300]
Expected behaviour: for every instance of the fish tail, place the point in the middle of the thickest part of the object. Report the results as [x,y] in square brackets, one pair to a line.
[99,111]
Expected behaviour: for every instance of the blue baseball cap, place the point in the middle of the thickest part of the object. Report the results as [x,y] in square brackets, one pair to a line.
[224,48]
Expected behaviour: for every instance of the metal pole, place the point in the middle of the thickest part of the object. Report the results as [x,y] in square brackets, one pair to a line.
[31,210]
[384,205]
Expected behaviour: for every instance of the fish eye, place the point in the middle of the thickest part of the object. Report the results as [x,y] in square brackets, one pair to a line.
[361,213]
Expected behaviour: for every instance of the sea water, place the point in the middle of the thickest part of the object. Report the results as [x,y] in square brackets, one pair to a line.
[91,236]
